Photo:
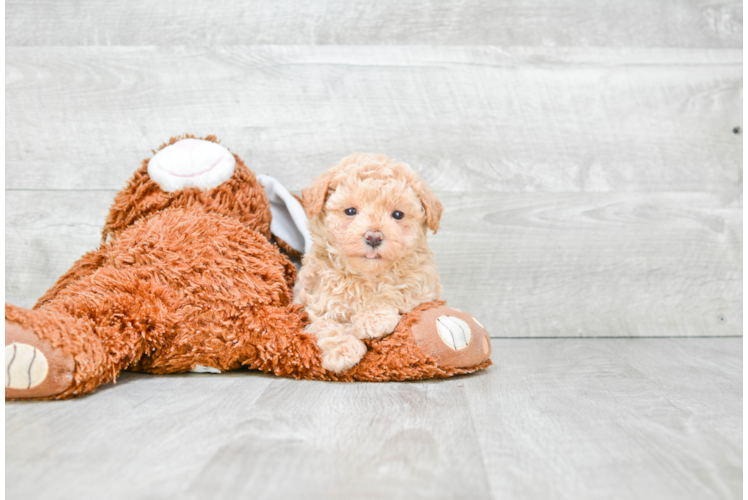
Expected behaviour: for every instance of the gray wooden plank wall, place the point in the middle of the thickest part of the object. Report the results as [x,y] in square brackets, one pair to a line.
[586,152]
[636,23]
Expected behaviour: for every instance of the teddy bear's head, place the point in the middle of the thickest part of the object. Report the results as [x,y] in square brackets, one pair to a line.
[190,172]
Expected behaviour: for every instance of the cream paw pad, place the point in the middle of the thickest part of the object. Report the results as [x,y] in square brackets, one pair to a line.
[25,366]
[191,163]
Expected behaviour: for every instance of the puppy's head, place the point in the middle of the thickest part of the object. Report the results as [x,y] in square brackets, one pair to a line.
[370,212]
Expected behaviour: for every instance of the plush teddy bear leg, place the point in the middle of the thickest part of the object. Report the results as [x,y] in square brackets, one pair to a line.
[271,339]
[432,341]
[85,332]
[282,345]
[49,355]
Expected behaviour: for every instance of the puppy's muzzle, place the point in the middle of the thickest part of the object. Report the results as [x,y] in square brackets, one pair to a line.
[373,238]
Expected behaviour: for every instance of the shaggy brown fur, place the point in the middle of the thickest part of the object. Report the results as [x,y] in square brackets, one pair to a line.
[190,278]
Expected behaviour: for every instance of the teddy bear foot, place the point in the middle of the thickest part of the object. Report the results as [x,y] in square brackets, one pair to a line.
[454,338]
[33,367]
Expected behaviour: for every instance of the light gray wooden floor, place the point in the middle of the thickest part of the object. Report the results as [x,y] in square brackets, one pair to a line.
[554,418]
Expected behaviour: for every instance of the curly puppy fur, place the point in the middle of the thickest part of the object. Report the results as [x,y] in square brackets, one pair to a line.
[369,262]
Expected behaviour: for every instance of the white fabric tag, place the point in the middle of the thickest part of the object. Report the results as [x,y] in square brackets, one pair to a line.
[205,369]
[289,219]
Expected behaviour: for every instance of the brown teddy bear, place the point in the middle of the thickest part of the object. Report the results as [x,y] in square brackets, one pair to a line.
[187,278]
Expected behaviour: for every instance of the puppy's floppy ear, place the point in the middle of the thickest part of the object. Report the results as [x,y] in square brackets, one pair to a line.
[313,198]
[432,207]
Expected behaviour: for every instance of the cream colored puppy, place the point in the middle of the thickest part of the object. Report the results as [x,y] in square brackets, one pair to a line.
[369,261]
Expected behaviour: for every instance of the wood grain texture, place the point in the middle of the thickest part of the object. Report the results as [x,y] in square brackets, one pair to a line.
[594,264]
[526,265]
[45,233]
[744,349]
[639,23]
[739,220]
[467,118]
[741,216]
[584,152]
[562,418]
[623,419]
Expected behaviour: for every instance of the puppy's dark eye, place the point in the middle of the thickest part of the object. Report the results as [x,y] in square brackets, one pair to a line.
[350,211]
[398,215]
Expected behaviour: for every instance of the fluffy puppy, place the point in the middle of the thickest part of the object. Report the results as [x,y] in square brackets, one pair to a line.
[369,261]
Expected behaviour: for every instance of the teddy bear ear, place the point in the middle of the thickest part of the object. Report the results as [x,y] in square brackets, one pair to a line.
[289,220]
[432,207]
[313,198]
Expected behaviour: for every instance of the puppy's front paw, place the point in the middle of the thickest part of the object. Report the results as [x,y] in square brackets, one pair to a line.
[340,353]
[372,324]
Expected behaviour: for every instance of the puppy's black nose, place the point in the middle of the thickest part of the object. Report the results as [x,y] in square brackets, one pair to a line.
[374,238]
